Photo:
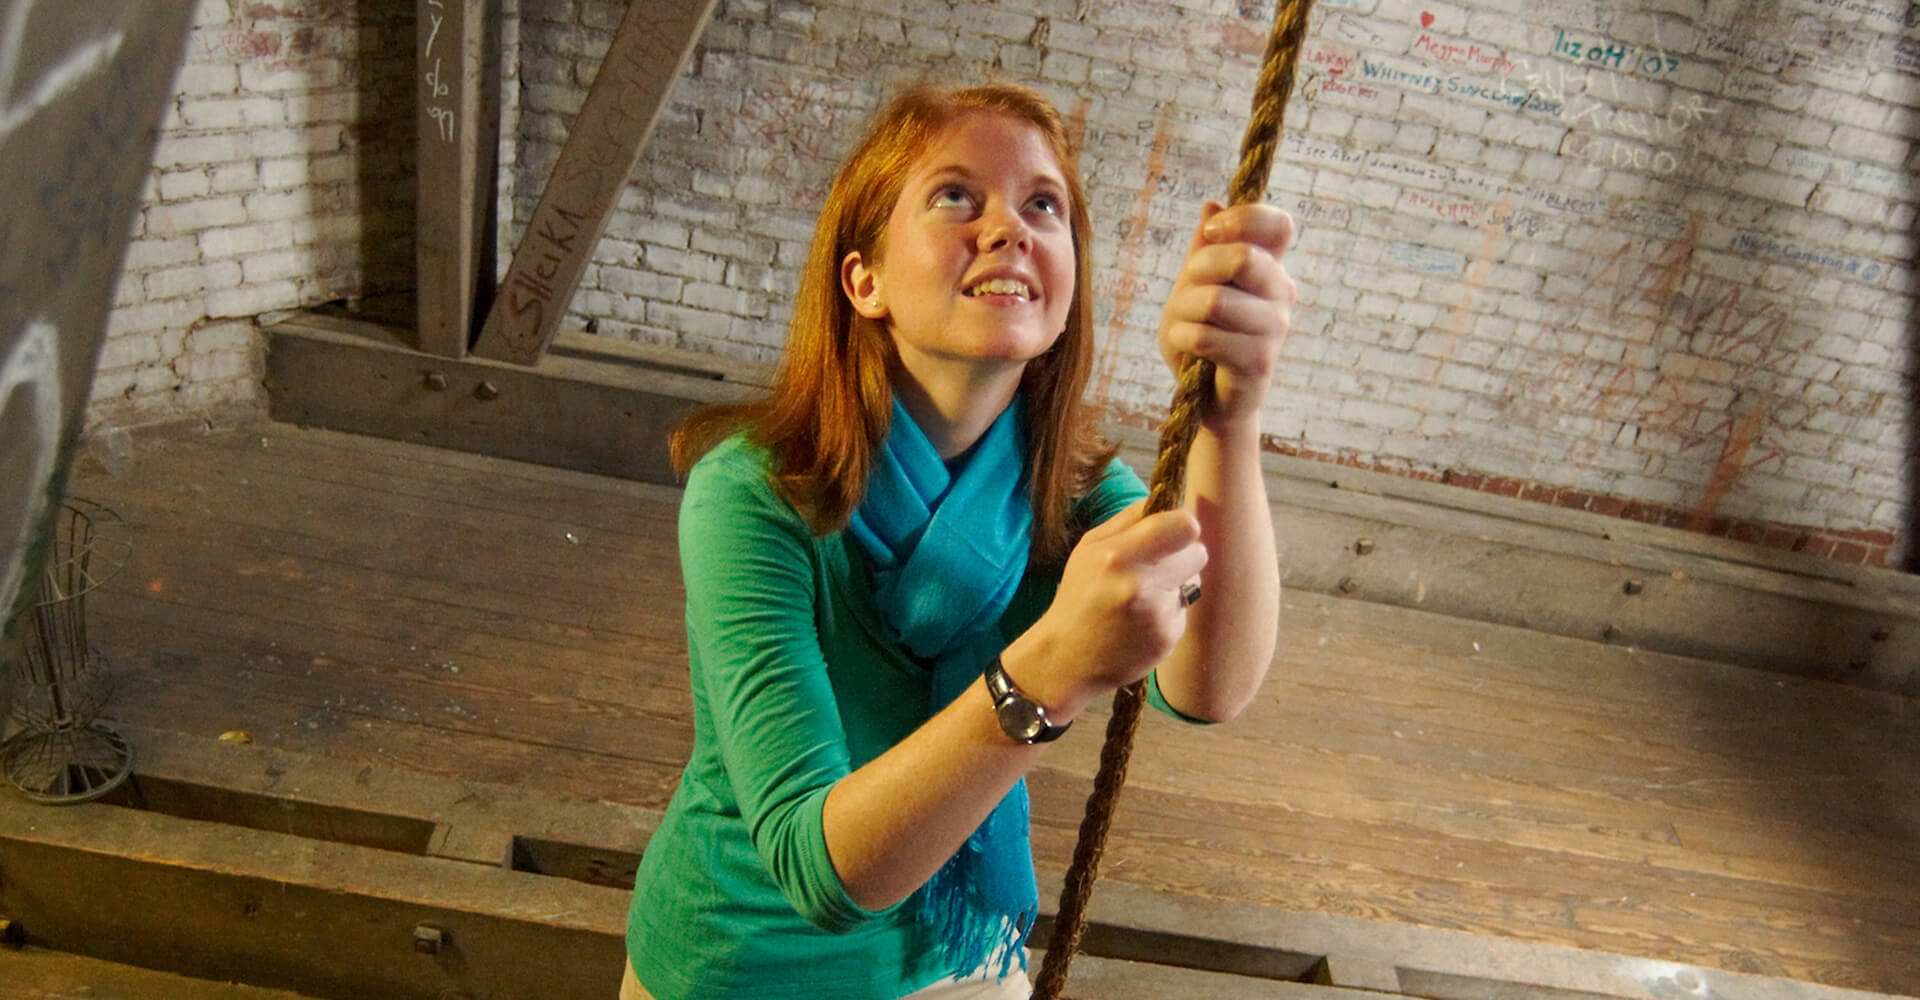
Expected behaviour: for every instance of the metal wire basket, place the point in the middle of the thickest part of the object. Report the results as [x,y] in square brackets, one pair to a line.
[59,683]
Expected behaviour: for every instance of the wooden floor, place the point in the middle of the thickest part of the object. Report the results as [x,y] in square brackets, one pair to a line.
[446,613]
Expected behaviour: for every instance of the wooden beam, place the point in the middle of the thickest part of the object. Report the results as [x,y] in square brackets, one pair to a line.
[325,919]
[604,411]
[455,171]
[1430,547]
[649,50]
[602,405]
[82,88]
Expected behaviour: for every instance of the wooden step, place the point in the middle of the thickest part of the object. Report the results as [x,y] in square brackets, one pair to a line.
[242,863]
[39,974]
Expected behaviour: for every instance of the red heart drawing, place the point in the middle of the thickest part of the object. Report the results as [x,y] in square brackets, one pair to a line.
[1426,19]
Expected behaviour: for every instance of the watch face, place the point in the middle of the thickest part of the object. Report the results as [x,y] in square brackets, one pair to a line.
[1021,719]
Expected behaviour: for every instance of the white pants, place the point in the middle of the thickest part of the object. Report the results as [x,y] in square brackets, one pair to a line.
[982,987]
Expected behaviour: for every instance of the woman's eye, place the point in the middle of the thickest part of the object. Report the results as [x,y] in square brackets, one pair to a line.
[951,197]
[1049,204]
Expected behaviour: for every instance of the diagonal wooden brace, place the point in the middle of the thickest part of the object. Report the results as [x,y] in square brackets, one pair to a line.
[649,50]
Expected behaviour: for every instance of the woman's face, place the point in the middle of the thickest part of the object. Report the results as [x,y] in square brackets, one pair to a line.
[977,266]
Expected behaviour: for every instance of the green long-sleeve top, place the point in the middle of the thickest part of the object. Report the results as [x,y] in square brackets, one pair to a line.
[795,684]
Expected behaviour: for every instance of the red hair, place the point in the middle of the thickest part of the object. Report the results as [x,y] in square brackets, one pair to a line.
[830,403]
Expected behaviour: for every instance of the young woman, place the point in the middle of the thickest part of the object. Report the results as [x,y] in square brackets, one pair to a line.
[912,565]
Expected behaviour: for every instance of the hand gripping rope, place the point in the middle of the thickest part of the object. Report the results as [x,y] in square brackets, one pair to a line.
[1190,396]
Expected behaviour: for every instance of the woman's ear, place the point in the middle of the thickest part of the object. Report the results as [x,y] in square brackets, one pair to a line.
[861,284]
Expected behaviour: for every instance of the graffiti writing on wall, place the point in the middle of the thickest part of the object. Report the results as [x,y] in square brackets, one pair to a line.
[1608,54]
[1768,246]
[796,125]
[436,91]
[1690,344]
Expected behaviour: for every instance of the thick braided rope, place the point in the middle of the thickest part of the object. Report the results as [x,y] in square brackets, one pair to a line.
[1168,485]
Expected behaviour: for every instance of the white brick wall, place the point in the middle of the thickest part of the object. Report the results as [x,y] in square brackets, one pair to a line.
[1490,285]
[1515,260]
[279,181]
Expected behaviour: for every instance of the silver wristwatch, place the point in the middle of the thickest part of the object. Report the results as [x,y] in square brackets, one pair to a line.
[1021,718]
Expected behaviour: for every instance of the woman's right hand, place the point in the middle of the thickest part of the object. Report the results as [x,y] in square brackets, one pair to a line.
[1117,614]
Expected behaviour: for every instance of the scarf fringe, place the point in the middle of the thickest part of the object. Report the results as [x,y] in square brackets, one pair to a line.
[970,937]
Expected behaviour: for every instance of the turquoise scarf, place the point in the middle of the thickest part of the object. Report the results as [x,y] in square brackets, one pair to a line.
[948,547]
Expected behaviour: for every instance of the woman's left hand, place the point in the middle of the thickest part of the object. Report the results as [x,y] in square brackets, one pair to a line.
[1232,304]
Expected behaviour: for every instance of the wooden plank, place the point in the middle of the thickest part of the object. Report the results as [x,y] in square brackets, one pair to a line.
[571,412]
[324,919]
[455,193]
[649,50]
[1359,973]
[39,974]
[1098,978]
[322,696]
[1375,871]
[1517,963]
[1689,595]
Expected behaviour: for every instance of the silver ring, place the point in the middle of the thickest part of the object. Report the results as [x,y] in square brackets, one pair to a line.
[1189,594]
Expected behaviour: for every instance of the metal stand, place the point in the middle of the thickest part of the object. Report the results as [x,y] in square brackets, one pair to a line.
[60,684]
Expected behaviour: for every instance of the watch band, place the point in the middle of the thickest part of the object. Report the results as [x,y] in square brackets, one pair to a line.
[1021,718]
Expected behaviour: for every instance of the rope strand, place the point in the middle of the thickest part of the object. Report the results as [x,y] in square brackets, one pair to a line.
[1192,394]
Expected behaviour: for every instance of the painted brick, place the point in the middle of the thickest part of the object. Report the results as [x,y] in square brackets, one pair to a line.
[293,141]
[306,109]
[689,323]
[720,298]
[226,178]
[175,282]
[210,113]
[1065,67]
[153,316]
[275,206]
[205,368]
[1874,146]
[311,73]
[235,240]
[742,247]
[253,300]
[277,265]
[1774,187]
[553,98]
[332,229]
[187,217]
[644,284]
[218,338]
[284,173]
[179,151]
[130,350]
[206,78]
[1849,204]
[184,184]
[1850,109]
[207,12]
[148,254]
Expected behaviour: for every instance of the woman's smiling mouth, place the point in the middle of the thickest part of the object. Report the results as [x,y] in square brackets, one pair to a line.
[1001,286]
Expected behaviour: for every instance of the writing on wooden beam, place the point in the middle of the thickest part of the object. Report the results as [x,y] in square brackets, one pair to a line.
[458,130]
[649,50]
